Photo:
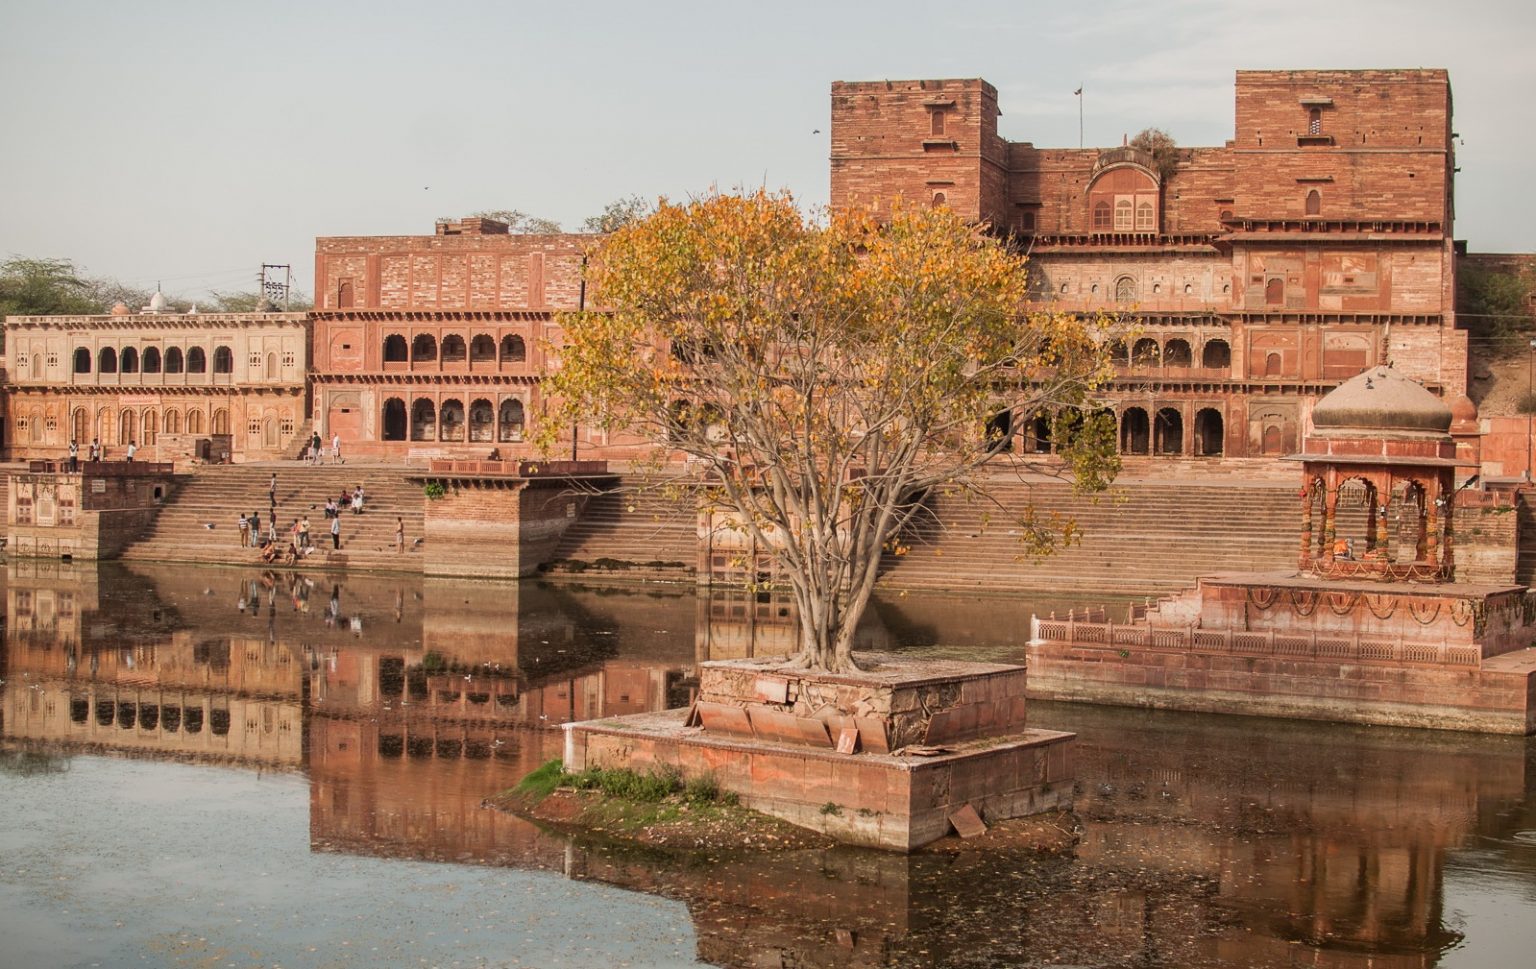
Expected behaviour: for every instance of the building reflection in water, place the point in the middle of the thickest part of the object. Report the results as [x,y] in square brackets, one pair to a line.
[1205,840]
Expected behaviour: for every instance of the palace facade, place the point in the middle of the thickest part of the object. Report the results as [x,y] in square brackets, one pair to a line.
[433,346]
[1262,272]
[210,386]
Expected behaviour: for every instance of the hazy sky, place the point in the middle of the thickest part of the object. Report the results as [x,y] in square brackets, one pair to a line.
[191,141]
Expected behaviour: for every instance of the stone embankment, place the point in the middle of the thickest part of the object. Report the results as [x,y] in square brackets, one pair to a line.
[198,524]
[1147,534]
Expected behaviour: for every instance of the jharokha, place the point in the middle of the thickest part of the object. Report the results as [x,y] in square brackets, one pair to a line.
[1293,410]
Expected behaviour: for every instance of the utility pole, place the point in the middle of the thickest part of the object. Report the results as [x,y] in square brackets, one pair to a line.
[1079,93]
[274,289]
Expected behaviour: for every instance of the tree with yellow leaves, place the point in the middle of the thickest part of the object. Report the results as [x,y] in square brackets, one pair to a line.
[825,376]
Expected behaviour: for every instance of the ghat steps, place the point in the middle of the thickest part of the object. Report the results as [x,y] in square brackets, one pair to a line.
[216,496]
[1141,536]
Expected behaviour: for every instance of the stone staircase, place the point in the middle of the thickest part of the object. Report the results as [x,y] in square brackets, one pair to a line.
[1140,536]
[1525,562]
[1143,536]
[644,531]
[217,494]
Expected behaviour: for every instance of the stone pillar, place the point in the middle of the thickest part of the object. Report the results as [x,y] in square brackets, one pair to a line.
[1305,561]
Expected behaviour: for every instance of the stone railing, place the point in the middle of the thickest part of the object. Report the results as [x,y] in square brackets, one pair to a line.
[132,469]
[1239,643]
[517,469]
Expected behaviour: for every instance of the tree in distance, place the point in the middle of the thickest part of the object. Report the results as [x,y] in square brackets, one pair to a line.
[617,214]
[518,222]
[826,376]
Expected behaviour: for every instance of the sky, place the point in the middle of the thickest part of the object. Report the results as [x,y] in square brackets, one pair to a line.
[187,143]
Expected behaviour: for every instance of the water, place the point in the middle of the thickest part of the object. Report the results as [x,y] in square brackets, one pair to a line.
[326,809]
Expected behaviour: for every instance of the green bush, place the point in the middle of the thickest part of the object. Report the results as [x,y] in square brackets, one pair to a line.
[627,784]
[434,490]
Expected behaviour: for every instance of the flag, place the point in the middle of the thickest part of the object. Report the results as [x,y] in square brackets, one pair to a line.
[1079,91]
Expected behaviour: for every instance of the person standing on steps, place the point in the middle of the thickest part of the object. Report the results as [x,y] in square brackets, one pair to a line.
[336,449]
[336,532]
[95,452]
[245,531]
[74,456]
[314,448]
[304,532]
[272,490]
[132,449]
[399,535]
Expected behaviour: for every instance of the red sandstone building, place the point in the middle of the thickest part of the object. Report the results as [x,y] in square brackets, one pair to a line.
[1314,244]
[433,346]
[179,386]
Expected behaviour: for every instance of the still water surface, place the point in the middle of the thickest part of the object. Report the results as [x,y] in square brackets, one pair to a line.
[215,768]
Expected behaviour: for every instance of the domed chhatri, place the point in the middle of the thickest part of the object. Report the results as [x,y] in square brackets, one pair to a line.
[1381,399]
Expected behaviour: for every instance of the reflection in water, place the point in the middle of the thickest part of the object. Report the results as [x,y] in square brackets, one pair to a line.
[1204,840]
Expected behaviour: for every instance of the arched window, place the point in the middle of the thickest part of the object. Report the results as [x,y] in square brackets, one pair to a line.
[395,350]
[511,420]
[106,360]
[482,421]
[130,360]
[1176,353]
[1145,353]
[220,422]
[1102,219]
[1216,355]
[223,360]
[453,348]
[423,419]
[1125,289]
[1314,202]
[77,426]
[450,420]
[1039,441]
[1125,219]
[424,347]
[394,416]
[173,422]
[151,427]
[35,427]
[1168,432]
[1146,217]
[1274,292]
[194,422]
[197,360]
[482,349]
[173,362]
[151,359]
[512,349]
[127,426]
[271,371]
[82,360]
[1135,432]
[1000,432]
[939,200]
[1272,365]
[1209,439]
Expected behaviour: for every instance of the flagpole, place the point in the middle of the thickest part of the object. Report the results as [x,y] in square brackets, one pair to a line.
[1079,115]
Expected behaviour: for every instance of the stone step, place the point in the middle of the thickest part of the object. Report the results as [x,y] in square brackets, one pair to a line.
[215,496]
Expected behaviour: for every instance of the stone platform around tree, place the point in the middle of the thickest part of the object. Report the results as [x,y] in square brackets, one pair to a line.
[881,757]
